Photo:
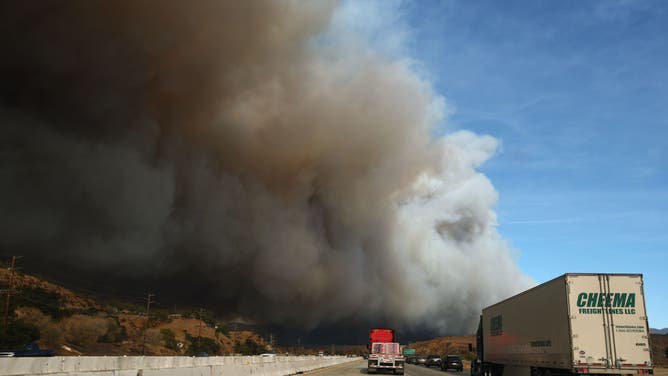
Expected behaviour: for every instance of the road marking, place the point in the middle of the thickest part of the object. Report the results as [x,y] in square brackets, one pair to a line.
[328,368]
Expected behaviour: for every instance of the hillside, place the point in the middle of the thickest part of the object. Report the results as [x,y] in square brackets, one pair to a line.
[74,324]
[460,345]
[68,299]
[660,349]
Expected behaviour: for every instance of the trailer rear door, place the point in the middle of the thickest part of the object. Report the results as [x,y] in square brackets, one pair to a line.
[629,332]
[608,321]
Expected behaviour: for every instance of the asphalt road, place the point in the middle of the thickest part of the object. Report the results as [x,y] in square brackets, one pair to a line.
[358,368]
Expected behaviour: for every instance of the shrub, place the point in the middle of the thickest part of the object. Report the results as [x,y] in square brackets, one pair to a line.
[204,315]
[223,329]
[249,347]
[153,337]
[115,332]
[33,316]
[160,315]
[17,334]
[202,344]
[51,335]
[169,339]
[84,330]
[45,301]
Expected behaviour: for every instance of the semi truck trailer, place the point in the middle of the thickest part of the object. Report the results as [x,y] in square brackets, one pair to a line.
[386,356]
[384,352]
[575,324]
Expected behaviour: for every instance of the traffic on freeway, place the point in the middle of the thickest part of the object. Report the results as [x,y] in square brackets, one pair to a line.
[358,368]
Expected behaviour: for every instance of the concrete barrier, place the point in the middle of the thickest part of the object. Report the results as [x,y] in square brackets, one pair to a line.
[167,365]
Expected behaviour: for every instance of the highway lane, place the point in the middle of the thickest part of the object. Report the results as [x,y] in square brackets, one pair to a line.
[358,368]
[414,370]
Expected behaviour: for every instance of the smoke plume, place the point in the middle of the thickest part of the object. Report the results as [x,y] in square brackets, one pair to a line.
[246,155]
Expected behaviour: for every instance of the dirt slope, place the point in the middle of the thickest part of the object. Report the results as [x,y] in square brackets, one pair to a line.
[444,345]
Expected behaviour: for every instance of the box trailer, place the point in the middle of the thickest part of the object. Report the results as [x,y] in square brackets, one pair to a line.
[574,324]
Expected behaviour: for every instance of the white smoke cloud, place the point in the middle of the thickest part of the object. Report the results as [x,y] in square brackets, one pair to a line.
[292,172]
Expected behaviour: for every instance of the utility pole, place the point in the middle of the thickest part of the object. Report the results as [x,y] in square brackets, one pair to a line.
[9,291]
[199,331]
[148,310]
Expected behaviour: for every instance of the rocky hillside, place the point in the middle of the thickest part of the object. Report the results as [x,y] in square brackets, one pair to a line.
[74,324]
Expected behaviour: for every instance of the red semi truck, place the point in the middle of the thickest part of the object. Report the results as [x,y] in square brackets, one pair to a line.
[380,335]
[384,352]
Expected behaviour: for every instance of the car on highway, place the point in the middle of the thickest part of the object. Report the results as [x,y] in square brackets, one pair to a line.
[29,350]
[410,360]
[421,359]
[452,362]
[433,361]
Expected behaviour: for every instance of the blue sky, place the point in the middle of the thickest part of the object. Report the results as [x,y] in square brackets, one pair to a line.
[577,92]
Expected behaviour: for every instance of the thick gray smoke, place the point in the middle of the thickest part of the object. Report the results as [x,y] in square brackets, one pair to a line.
[245,150]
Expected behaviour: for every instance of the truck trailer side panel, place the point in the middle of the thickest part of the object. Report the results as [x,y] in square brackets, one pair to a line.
[529,329]
[580,323]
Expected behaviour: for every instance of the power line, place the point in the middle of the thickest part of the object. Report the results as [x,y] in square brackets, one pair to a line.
[9,291]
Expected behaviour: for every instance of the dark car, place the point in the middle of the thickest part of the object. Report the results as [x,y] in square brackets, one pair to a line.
[433,361]
[31,350]
[420,359]
[452,362]
[410,360]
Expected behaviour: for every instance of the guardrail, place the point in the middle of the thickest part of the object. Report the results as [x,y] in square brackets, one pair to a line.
[167,365]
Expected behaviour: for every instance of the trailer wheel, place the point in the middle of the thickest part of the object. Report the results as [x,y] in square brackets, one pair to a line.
[497,370]
[475,367]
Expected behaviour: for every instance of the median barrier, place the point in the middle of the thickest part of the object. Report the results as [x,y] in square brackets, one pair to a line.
[167,365]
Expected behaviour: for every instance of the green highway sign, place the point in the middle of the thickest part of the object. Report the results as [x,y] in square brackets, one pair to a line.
[409,351]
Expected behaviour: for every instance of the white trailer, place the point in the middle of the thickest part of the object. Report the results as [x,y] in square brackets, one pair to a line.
[574,324]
